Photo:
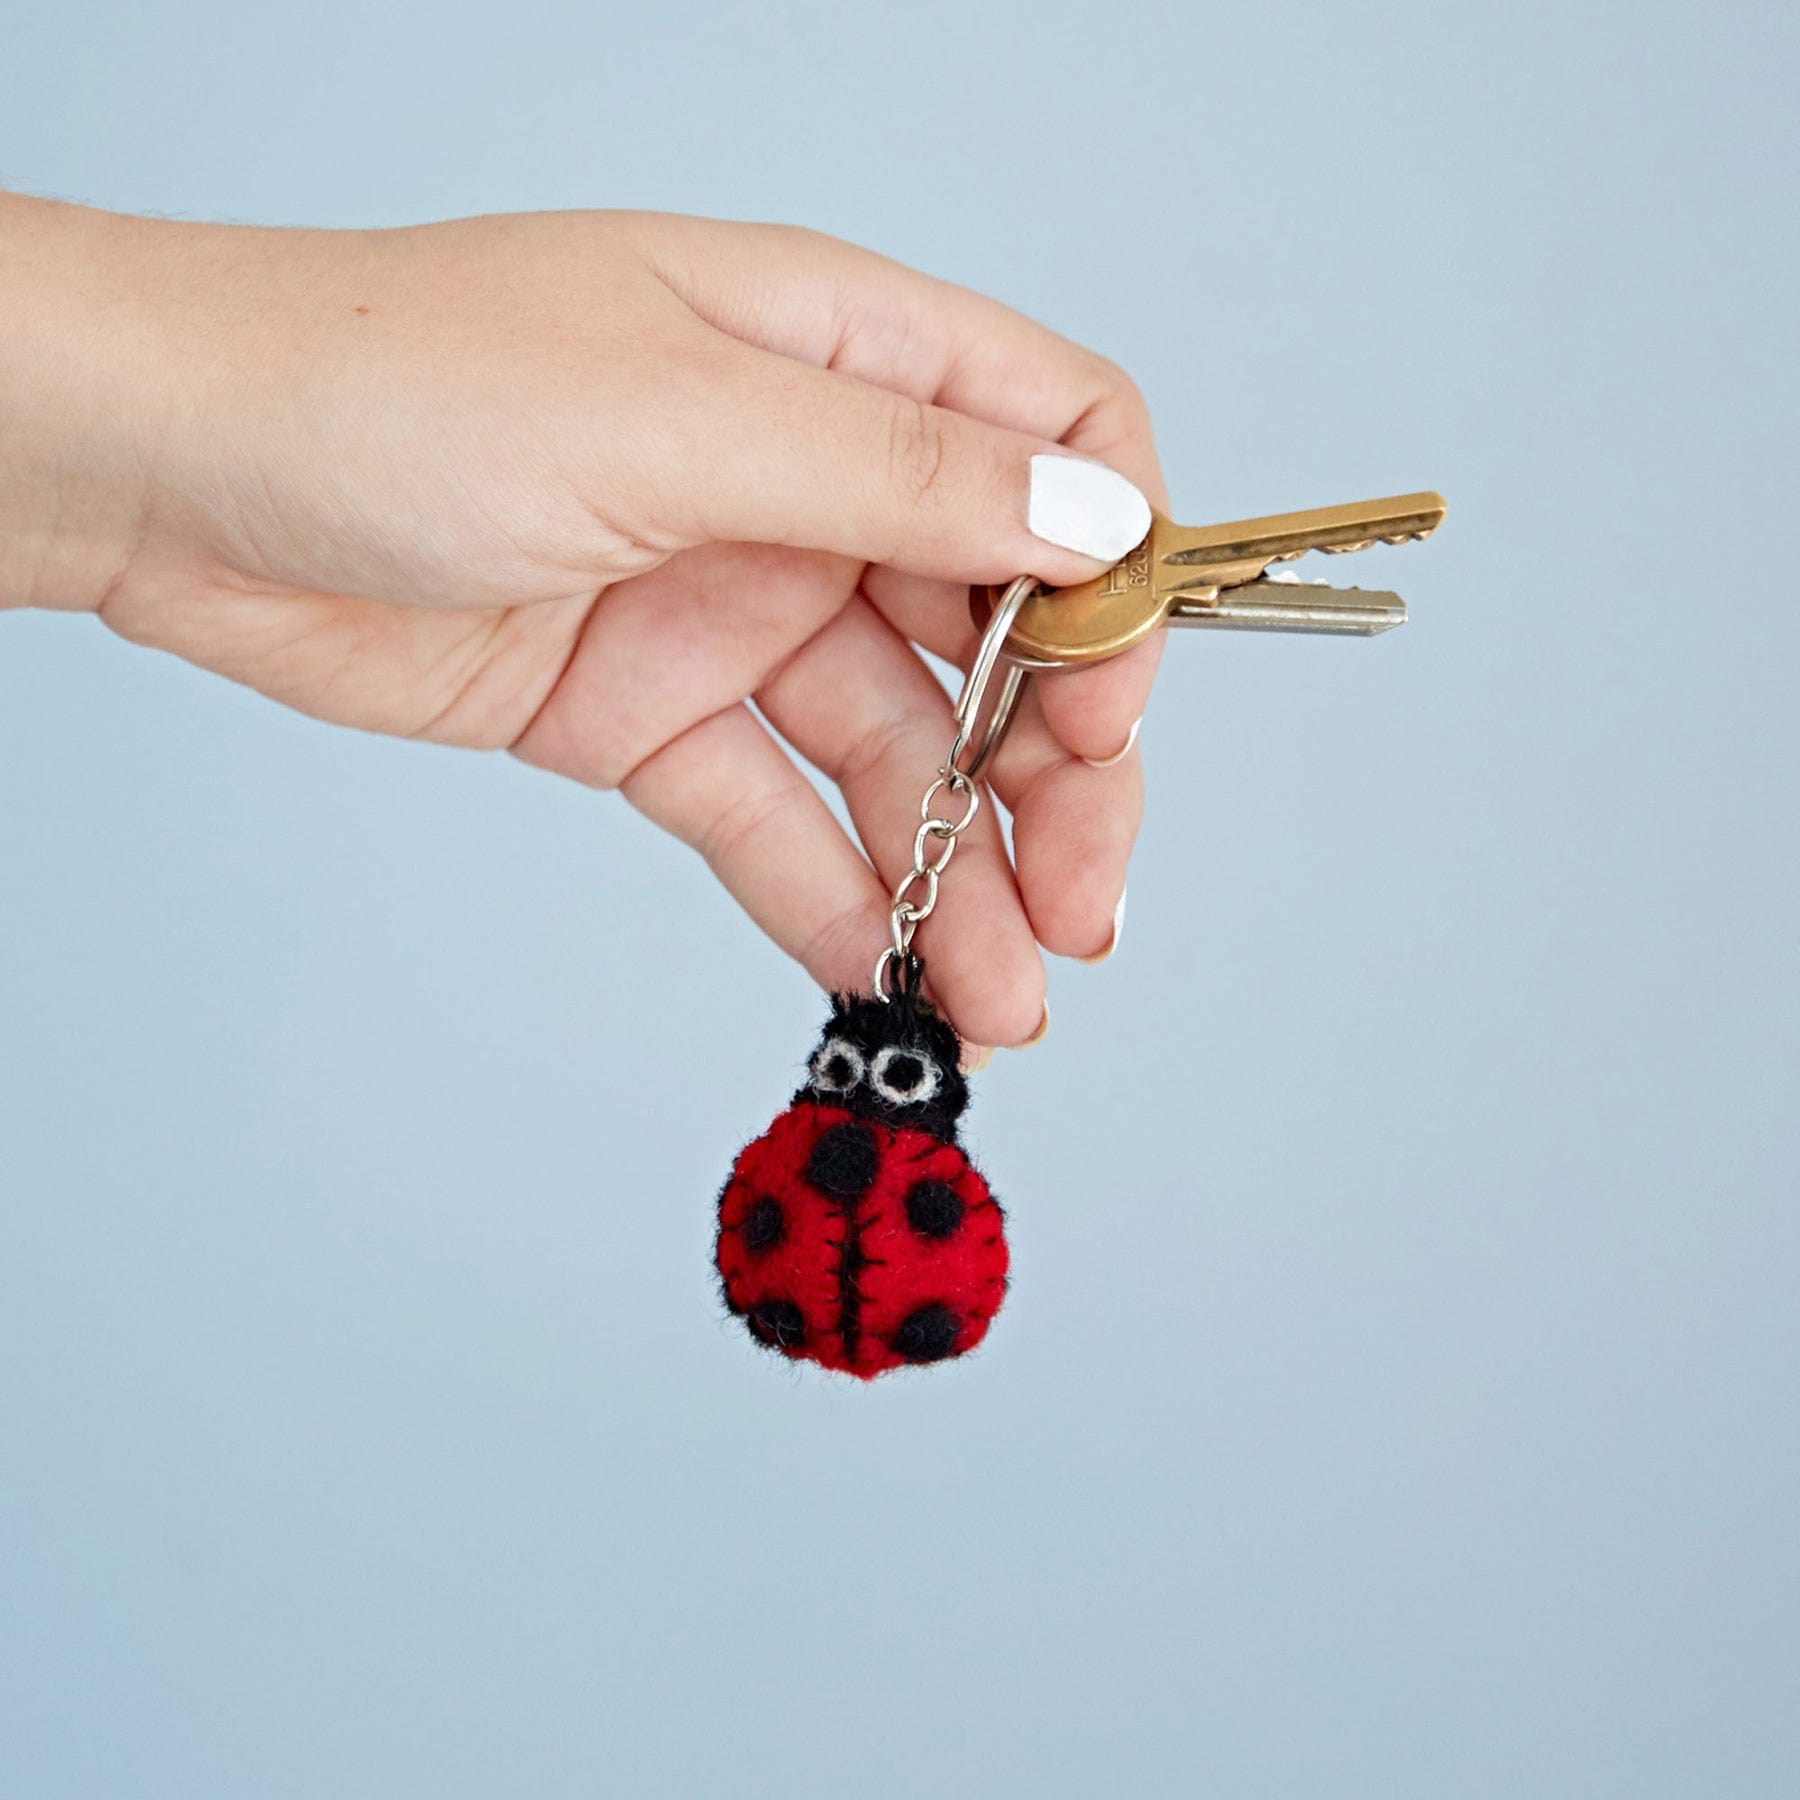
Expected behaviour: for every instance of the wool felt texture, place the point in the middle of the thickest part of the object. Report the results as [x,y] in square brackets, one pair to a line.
[855,1233]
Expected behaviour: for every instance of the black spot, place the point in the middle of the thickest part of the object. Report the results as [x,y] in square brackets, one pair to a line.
[934,1209]
[904,1073]
[843,1162]
[778,1324]
[765,1225]
[927,1334]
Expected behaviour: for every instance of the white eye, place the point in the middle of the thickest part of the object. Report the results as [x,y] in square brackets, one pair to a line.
[837,1067]
[904,1077]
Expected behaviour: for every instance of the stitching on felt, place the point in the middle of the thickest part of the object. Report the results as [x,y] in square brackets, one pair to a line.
[851,1263]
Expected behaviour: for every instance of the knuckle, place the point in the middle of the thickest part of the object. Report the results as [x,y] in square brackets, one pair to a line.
[1131,396]
[918,448]
[877,745]
[553,741]
[1115,383]
[798,236]
[1117,405]
[835,948]
[722,842]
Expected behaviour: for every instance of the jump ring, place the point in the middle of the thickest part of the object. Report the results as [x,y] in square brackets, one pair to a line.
[975,687]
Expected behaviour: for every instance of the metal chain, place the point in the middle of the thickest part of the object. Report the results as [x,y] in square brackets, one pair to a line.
[908,912]
[961,774]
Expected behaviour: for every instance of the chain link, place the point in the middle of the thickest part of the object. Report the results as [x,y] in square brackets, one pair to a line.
[910,912]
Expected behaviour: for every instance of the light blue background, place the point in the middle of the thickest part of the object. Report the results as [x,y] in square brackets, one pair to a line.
[1397,1397]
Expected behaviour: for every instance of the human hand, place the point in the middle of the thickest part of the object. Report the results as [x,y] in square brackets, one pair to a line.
[581,486]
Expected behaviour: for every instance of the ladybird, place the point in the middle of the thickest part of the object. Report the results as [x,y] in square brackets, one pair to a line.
[855,1233]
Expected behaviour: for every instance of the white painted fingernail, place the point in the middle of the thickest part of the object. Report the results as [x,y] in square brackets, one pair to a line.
[1086,506]
[1112,943]
[975,1058]
[1118,756]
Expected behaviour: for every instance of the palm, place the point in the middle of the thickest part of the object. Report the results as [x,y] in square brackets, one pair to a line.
[708,625]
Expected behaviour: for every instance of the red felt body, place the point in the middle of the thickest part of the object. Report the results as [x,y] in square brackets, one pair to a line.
[858,1269]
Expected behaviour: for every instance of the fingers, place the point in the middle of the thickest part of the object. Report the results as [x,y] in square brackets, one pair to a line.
[860,706]
[1074,823]
[1095,711]
[1092,712]
[646,705]
[726,788]
[1073,828]
[665,650]
[778,452]
[817,300]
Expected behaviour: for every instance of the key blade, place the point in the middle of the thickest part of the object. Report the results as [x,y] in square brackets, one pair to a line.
[1229,555]
[1292,606]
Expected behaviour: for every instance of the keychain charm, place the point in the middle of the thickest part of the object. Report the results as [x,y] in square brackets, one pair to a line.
[855,1233]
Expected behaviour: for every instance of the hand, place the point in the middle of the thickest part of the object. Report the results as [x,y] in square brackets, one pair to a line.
[580,486]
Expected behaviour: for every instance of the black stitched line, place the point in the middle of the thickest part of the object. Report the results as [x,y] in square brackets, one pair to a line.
[850,1265]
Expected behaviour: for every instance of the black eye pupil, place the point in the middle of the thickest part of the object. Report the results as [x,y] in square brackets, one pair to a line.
[905,1073]
[837,1070]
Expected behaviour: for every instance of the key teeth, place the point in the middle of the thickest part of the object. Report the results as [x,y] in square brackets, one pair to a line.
[1399,537]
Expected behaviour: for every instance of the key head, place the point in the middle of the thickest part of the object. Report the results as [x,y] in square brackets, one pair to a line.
[1059,628]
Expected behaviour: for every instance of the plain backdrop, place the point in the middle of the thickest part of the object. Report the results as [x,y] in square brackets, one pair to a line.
[1397,1394]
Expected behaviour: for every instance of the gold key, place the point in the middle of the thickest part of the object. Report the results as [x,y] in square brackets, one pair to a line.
[1217,575]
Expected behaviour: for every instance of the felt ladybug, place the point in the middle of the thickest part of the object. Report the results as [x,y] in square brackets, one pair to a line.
[855,1233]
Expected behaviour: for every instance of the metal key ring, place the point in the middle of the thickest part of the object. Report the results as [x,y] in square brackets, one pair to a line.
[975,686]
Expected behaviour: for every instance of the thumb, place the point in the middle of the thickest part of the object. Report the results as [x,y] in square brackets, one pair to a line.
[781,452]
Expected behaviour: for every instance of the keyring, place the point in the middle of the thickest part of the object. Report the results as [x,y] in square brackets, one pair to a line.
[974,690]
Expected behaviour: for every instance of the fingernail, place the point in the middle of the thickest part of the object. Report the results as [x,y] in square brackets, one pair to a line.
[976,1057]
[1118,756]
[1037,1037]
[1086,506]
[1112,943]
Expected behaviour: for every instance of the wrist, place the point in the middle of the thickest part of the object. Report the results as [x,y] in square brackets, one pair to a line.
[77,394]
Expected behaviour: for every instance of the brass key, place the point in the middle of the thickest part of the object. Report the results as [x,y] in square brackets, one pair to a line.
[1217,575]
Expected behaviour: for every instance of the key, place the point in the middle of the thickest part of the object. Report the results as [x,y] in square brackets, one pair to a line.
[1217,576]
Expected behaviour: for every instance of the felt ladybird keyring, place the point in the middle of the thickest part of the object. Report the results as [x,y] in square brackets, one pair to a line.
[855,1232]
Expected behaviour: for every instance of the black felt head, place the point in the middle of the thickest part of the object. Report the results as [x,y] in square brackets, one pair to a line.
[892,1060]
